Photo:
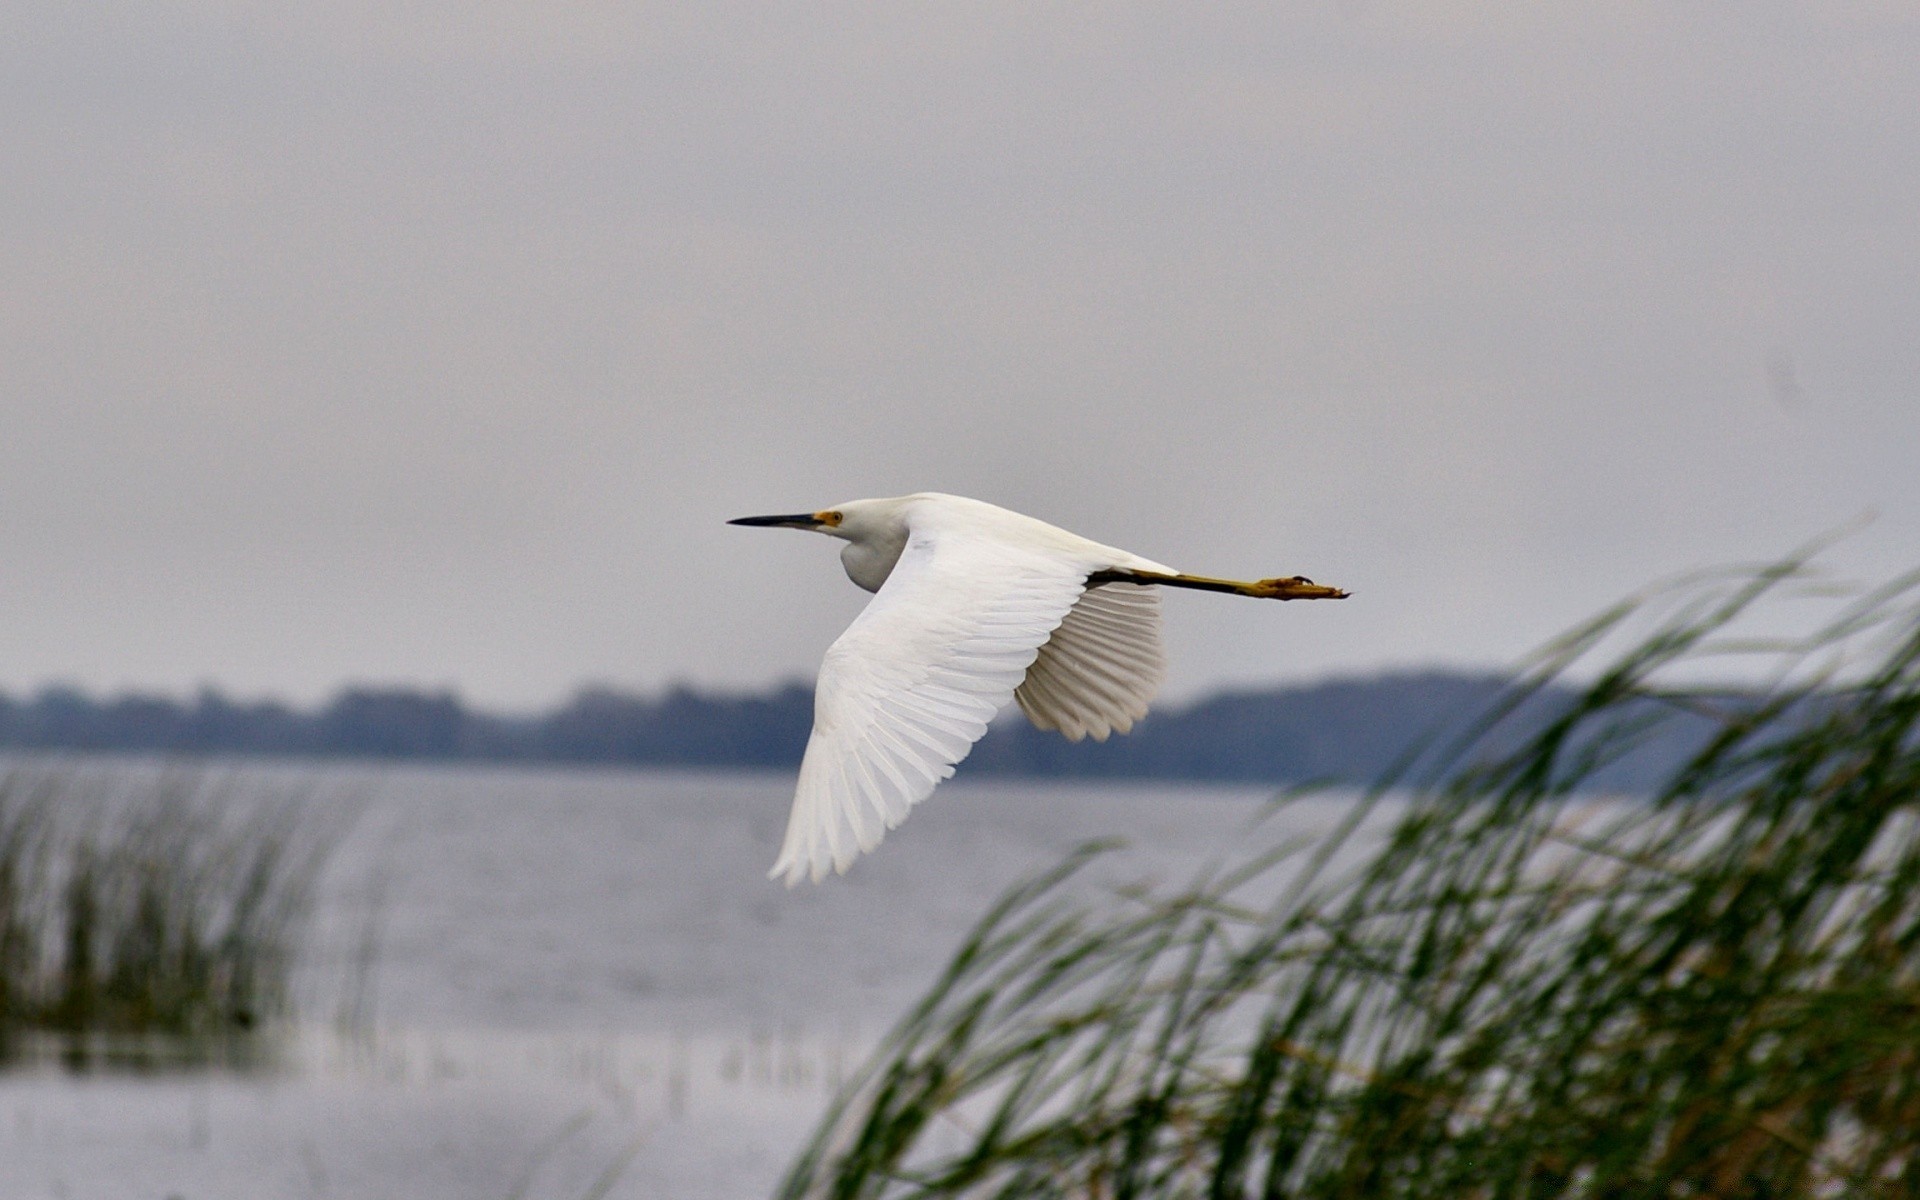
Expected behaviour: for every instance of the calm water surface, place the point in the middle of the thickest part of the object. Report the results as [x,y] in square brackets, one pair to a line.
[525,983]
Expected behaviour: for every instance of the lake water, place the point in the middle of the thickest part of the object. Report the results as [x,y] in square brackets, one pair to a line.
[581,977]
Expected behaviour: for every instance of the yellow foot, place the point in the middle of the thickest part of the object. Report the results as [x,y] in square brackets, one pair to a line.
[1295,587]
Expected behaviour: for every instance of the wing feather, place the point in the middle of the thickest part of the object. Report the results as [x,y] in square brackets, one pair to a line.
[905,692]
[1100,669]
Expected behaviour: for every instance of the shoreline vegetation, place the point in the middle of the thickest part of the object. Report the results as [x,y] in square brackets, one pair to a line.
[151,919]
[1507,990]
[1346,731]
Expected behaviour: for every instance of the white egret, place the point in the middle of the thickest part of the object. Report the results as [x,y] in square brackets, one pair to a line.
[975,605]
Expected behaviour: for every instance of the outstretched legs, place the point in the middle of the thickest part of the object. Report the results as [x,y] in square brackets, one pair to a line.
[1295,587]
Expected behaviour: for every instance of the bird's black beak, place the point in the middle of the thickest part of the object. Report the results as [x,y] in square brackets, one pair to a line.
[785,521]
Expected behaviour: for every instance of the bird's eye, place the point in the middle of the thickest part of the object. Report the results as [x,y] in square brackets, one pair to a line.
[830,519]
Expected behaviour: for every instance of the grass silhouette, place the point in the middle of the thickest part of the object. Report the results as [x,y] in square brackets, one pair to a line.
[1497,985]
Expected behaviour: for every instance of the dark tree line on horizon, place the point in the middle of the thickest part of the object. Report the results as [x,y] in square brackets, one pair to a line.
[1345,730]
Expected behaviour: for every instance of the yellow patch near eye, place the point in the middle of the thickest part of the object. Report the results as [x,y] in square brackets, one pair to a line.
[830,519]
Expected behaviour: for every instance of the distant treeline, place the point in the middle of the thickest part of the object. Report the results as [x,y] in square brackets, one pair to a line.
[1350,730]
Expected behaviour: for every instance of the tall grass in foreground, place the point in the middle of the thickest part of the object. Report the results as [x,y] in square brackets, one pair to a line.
[145,905]
[1714,991]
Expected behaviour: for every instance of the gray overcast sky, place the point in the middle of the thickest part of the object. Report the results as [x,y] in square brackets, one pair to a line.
[433,343]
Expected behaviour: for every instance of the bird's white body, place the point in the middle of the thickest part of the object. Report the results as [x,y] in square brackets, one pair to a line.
[876,532]
[974,605]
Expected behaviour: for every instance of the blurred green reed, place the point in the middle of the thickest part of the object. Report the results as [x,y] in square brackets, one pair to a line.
[1498,985]
[144,905]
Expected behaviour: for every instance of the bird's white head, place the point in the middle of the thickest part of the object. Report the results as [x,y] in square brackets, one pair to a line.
[875,530]
[856,520]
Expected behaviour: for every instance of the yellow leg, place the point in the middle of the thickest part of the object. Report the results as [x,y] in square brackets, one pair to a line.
[1294,587]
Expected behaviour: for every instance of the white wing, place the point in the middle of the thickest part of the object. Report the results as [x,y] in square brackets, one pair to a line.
[911,685]
[1100,669]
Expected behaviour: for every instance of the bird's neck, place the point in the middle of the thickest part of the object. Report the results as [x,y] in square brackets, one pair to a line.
[870,560]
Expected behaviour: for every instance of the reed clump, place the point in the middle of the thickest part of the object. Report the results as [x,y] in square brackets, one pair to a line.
[1499,985]
[146,905]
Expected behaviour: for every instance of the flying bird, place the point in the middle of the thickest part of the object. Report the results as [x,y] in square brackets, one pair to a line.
[974,605]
